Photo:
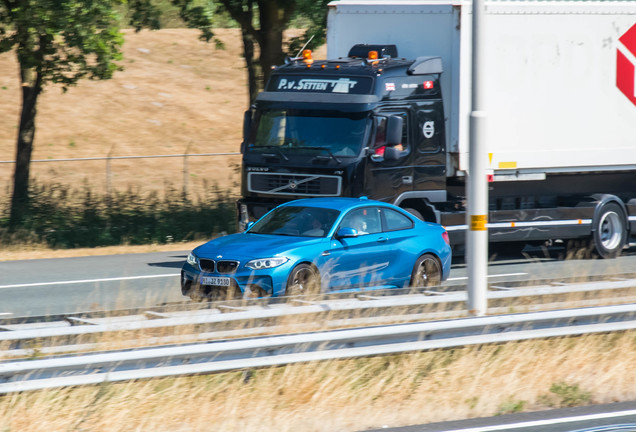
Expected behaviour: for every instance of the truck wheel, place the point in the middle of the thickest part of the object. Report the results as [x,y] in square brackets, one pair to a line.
[303,280]
[427,271]
[415,213]
[610,233]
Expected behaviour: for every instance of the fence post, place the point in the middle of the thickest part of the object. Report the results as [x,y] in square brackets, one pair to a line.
[109,174]
[185,171]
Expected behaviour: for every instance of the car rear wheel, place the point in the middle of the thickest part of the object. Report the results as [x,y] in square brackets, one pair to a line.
[427,271]
[303,279]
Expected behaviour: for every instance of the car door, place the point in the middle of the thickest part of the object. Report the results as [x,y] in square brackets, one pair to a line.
[399,248]
[357,261]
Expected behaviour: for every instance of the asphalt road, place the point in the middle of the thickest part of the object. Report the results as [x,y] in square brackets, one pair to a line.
[560,420]
[70,285]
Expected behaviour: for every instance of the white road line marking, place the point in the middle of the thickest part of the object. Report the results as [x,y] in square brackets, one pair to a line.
[490,276]
[6,313]
[88,281]
[547,422]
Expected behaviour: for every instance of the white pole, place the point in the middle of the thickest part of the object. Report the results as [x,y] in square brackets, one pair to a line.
[477,217]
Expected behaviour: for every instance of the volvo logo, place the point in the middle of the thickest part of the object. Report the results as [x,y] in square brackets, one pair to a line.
[292,184]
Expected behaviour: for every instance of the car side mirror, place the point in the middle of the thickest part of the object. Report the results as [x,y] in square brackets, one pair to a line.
[346,233]
[249,225]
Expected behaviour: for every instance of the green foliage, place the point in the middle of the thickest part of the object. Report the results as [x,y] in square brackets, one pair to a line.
[173,13]
[566,395]
[64,218]
[511,406]
[311,16]
[63,40]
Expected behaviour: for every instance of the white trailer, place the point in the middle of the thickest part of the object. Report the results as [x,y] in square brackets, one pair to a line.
[551,93]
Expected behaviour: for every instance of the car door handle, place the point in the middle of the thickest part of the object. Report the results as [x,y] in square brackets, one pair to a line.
[326,253]
[382,239]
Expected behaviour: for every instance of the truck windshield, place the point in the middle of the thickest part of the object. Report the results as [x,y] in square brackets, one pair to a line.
[309,132]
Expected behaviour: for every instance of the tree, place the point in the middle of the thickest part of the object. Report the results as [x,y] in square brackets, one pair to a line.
[263,22]
[61,42]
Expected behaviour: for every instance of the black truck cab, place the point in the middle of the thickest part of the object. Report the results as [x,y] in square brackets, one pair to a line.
[370,124]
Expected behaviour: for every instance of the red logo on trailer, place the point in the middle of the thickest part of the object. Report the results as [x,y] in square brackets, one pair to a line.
[626,67]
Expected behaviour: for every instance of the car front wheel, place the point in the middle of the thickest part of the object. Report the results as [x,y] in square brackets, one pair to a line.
[303,279]
[427,271]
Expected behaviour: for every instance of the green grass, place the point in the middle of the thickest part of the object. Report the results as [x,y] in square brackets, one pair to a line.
[61,217]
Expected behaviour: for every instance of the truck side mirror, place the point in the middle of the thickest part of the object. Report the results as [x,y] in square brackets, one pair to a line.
[394,130]
[391,154]
[247,125]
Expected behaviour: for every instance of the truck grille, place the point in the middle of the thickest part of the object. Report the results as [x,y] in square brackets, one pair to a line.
[294,184]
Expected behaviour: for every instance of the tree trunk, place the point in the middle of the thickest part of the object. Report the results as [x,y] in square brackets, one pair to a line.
[252,67]
[273,17]
[31,88]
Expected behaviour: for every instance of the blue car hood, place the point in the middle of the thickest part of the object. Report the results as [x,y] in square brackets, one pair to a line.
[243,246]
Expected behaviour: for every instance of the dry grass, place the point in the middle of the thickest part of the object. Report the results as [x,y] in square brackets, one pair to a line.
[175,94]
[365,393]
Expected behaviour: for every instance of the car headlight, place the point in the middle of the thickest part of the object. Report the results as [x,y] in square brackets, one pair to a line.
[192,259]
[265,263]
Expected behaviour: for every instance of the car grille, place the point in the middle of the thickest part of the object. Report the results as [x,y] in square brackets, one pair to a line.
[206,265]
[294,184]
[223,267]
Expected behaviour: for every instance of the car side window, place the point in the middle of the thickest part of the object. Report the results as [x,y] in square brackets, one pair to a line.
[395,221]
[365,220]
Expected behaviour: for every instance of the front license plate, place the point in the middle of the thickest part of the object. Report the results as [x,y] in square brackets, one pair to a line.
[215,281]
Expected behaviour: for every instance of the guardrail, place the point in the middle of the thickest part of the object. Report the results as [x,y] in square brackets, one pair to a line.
[302,306]
[223,356]
[190,323]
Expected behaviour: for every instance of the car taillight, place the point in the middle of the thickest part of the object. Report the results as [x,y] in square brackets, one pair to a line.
[445,237]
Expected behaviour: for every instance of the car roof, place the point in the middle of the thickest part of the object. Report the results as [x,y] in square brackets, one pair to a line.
[336,203]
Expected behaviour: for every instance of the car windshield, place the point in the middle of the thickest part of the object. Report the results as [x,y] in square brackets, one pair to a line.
[309,132]
[296,221]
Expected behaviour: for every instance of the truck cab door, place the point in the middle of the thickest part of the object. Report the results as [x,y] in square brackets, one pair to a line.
[390,168]
[429,148]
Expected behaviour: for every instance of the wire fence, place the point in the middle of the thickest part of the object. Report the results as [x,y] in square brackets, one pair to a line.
[128,173]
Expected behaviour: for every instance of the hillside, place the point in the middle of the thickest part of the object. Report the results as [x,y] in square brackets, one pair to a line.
[176,94]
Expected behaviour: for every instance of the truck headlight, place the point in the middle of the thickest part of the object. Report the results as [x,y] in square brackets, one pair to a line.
[192,259]
[265,263]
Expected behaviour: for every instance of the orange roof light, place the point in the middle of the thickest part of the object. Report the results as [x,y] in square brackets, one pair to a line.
[373,55]
[307,57]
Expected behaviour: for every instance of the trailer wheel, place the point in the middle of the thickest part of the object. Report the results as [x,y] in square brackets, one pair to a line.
[303,279]
[610,231]
[427,271]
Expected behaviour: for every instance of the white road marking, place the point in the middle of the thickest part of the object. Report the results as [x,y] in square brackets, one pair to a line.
[88,281]
[490,276]
[548,422]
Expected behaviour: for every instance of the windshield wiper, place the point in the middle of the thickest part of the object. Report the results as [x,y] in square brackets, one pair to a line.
[325,149]
[277,148]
